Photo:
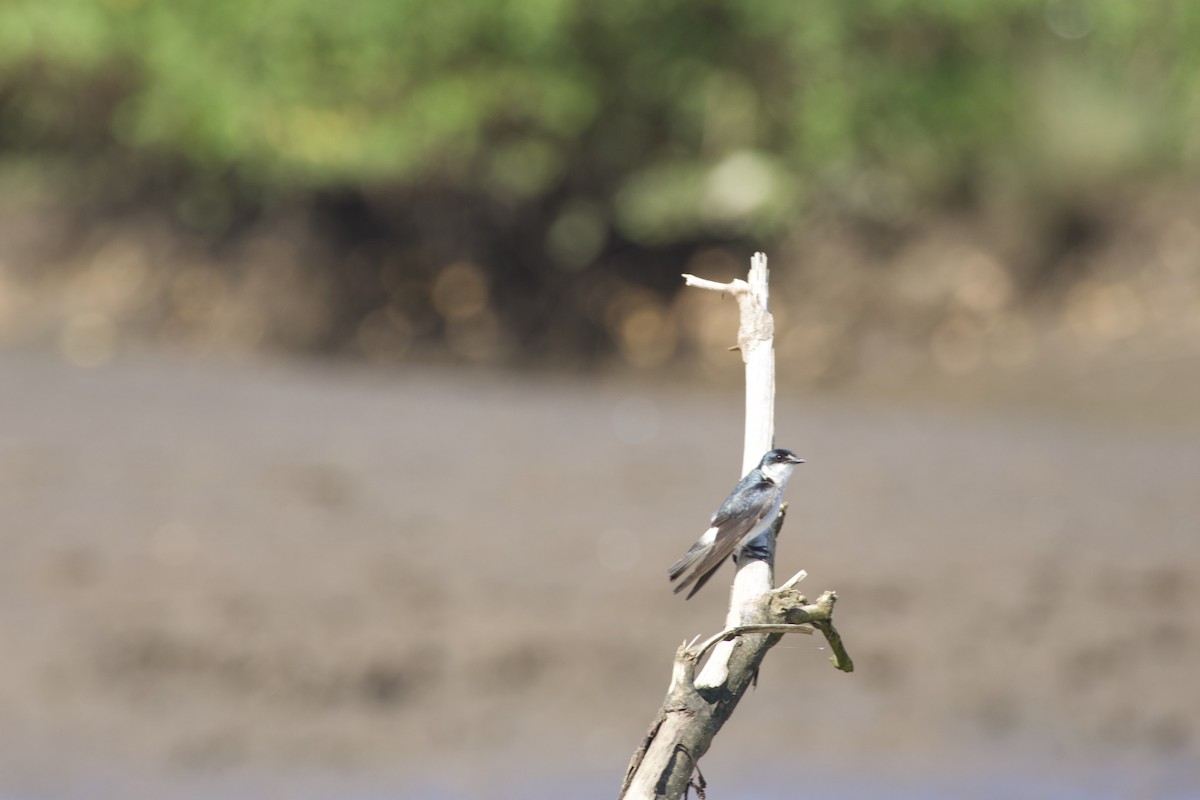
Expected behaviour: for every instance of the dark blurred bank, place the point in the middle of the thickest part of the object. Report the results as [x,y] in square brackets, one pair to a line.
[948,187]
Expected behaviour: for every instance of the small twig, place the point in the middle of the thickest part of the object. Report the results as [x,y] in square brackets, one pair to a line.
[840,658]
[735,287]
[791,582]
[740,630]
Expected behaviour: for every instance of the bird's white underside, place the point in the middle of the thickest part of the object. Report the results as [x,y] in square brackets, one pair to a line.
[778,473]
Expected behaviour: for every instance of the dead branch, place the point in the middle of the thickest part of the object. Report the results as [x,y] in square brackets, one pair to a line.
[696,706]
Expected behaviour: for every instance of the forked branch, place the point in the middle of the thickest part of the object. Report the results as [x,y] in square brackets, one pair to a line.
[759,615]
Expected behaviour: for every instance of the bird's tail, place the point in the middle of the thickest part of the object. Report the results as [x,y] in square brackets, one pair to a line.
[696,555]
[690,558]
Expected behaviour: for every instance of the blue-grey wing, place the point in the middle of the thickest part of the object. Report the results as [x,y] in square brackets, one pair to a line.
[750,484]
[749,501]
[738,517]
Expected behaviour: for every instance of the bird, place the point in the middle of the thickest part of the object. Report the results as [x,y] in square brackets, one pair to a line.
[748,511]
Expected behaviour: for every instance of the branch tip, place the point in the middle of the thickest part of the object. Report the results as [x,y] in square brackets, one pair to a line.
[735,287]
[795,579]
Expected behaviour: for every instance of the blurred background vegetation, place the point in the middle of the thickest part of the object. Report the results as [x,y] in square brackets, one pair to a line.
[948,186]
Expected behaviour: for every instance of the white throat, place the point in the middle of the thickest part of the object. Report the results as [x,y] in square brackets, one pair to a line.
[778,473]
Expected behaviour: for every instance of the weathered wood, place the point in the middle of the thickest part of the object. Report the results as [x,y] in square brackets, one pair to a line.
[696,707]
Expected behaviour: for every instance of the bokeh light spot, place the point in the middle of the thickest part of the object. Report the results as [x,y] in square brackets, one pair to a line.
[1103,312]
[738,186]
[983,285]
[460,291]
[1069,19]
[576,236]
[647,334]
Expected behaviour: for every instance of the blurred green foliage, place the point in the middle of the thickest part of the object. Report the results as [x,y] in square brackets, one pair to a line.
[672,118]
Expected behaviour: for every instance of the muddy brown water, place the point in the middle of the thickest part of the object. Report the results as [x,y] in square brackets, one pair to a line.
[428,581]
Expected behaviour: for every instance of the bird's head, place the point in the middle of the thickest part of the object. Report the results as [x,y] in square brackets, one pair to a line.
[777,465]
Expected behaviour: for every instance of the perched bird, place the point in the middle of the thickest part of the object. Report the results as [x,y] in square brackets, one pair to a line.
[748,511]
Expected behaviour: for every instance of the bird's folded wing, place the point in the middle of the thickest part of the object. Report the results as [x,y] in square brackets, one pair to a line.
[701,561]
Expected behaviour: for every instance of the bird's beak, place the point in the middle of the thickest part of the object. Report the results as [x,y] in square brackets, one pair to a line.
[797,460]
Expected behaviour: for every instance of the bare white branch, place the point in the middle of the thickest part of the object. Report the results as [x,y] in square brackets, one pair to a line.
[791,582]
[689,718]
[756,340]
[734,287]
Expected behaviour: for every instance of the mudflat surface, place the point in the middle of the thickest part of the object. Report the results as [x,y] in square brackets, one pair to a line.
[442,579]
